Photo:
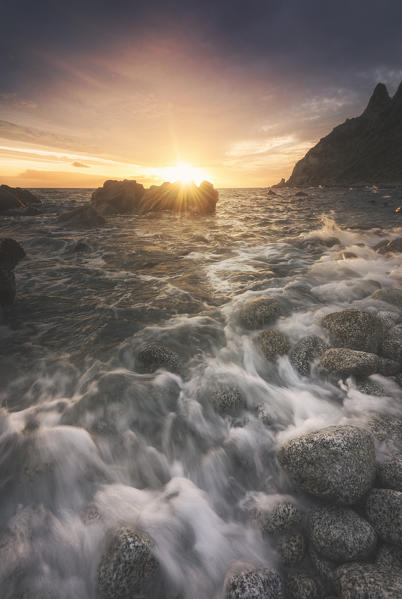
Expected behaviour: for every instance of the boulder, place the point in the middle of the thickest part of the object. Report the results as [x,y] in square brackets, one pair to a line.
[279,517]
[340,534]
[358,581]
[256,313]
[16,199]
[389,557]
[348,362]
[305,352]
[354,329]
[152,357]
[389,295]
[370,387]
[325,568]
[302,585]
[392,344]
[227,399]
[243,581]
[291,548]
[389,247]
[127,564]
[384,512]
[122,197]
[386,428]
[273,343]
[389,472]
[336,464]
[11,252]
[84,216]
[388,367]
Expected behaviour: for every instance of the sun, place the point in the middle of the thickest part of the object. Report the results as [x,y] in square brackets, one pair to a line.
[185,174]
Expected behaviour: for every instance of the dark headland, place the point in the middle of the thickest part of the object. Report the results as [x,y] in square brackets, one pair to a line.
[363,150]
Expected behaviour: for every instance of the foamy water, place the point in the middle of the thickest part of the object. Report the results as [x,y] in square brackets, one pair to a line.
[86,442]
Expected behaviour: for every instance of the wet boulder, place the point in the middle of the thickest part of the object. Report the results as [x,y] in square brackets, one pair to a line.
[11,252]
[342,362]
[84,216]
[291,548]
[389,295]
[302,585]
[118,197]
[227,399]
[336,464]
[358,581]
[384,512]
[340,534]
[392,344]
[16,199]
[370,387]
[305,352]
[243,581]
[127,564]
[255,313]
[354,329]
[280,516]
[273,343]
[152,357]
[389,472]
[389,247]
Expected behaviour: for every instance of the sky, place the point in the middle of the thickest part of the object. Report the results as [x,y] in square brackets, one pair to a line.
[99,89]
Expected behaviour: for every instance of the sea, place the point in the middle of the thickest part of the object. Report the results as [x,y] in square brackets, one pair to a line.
[88,442]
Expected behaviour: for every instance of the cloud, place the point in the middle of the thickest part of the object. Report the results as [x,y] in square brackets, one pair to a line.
[18,132]
[80,164]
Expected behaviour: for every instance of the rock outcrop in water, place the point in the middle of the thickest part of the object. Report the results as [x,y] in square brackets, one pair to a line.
[363,150]
[14,200]
[11,252]
[122,197]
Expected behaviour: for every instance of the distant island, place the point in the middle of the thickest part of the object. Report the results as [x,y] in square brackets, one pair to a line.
[362,150]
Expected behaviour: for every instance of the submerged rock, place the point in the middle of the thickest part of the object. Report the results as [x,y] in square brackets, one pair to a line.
[84,216]
[11,252]
[256,313]
[384,512]
[152,357]
[291,548]
[302,586]
[370,387]
[343,362]
[227,399]
[336,463]
[354,329]
[122,197]
[357,581]
[392,344]
[243,581]
[305,352]
[389,472]
[388,247]
[340,534]
[389,295]
[273,343]
[127,564]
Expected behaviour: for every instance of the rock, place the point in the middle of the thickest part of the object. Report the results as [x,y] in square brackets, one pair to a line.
[122,197]
[273,343]
[370,387]
[386,428]
[348,362]
[127,564]
[302,586]
[152,357]
[279,517]
[336,463]
[392,344]
[388,367]
[354,329]
[246,582]
[388,319]
[358,581]
[227,399]
[389,472]
[388,247]
[12,199]
[389,557]
[384,512]
[281,184]
[340,534]
[291,548]
[346,255]
[365,149]
[325,568]
[256,313]
[389,295]
[301,194]
[305,352]
[84,216]
[11,252]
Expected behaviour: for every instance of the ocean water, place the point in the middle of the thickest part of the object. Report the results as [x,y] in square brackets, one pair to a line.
[88,442]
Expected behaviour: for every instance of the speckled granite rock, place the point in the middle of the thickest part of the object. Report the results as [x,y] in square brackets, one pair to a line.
[256,313]
[291,548]
[389,295]
[305,352]
[354,329]
[281,516]
[336,463]
[301,585]
[357,581]
[152,357]
[342,362]
[389,472]
[273,343]
[243,581]
[384,512]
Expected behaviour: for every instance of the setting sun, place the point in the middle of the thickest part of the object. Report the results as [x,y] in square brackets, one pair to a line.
[185,173]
